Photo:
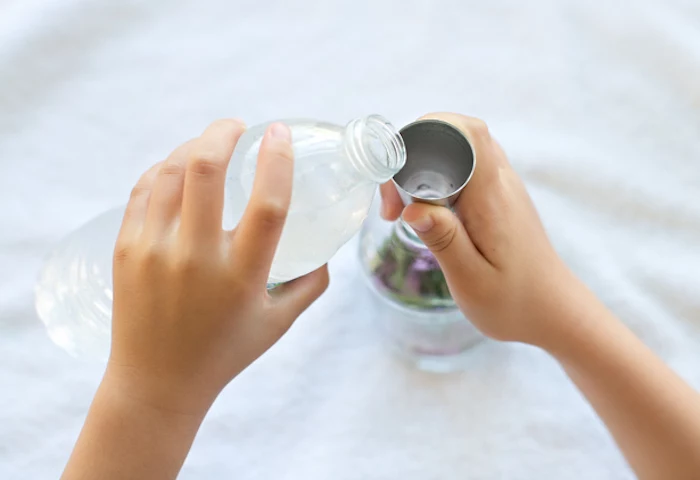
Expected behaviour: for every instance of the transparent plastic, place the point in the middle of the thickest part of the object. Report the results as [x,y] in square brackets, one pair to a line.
[336,172]
[410,299]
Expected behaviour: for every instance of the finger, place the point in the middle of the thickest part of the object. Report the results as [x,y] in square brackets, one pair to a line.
[447,239]
[392,206]
[260,228]
[205,177]
[137,207]
[291,299]
[166,198]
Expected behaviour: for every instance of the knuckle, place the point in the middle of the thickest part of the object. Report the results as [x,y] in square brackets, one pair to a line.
[271,213]
[139,190]
[187,257]
[443,239]
[479,128]
[122,252]
[171,169]
[205,163]
[152,255]
[227,124]
[185,263]
[281,151]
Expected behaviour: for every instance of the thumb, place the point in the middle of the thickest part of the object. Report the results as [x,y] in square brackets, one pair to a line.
[447,239]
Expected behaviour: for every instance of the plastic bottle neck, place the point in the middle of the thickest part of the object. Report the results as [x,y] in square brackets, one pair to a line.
[375,148]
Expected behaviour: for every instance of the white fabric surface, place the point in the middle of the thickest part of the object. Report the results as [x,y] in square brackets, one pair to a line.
[598,107]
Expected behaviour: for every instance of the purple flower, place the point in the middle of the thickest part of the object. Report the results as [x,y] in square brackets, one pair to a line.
[412,282]
[425,262]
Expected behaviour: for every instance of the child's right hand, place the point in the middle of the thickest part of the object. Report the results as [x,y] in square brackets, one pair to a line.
[508,280]
[500,266]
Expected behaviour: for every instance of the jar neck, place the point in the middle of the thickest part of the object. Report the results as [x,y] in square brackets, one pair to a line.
[407,235]
[375,148]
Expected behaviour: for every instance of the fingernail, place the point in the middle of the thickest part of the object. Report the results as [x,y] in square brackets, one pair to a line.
[281,131]
[422,224]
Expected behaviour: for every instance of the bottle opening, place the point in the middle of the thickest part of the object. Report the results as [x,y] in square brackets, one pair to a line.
[375,147]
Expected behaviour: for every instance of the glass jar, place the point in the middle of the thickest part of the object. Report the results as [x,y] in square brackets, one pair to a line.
[411,301]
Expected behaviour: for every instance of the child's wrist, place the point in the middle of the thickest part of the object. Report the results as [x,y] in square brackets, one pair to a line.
[169,396]
[566,315]
[114,395]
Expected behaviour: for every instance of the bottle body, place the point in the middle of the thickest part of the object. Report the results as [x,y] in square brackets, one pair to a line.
[73,295]
[336,172]
[330,199]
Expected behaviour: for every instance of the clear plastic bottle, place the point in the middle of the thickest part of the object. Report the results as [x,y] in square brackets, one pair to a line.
[336,172]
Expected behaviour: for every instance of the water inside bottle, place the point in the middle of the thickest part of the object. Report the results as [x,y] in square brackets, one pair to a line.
[325,211]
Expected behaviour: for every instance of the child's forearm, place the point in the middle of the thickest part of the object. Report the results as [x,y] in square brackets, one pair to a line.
[125,438]
[653,415]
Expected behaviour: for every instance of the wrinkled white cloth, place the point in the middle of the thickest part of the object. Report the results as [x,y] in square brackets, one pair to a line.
[598,107]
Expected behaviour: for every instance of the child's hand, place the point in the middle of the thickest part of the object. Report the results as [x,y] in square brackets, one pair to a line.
[508,280]
[499,264]
[191,309]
